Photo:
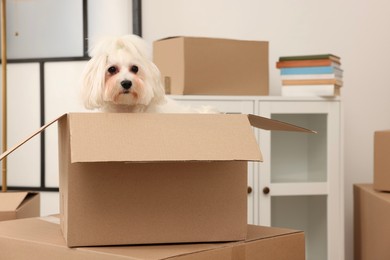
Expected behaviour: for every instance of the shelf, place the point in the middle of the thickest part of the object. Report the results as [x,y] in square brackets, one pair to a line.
[298,189]
[297,157]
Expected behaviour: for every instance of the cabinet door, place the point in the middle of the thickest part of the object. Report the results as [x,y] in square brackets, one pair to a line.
[300,179]
[231,106]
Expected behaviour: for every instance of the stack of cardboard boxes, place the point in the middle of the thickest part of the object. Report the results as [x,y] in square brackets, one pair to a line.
[372,206]
[162,186]
[153,186]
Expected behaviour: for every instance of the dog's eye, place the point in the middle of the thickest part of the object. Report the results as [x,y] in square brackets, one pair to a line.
[134,69]
[112,70]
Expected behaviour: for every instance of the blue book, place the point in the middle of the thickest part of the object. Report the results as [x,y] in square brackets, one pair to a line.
[309,70]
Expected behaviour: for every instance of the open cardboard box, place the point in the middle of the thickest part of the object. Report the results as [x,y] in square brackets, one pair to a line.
[15,205]
[210,66]
[155,178]
[40,238]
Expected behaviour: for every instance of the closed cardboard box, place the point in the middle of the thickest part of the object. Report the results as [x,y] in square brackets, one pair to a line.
[371,223]
[19,204]
[40,238]
[211,66]
[156,178]
[382,160]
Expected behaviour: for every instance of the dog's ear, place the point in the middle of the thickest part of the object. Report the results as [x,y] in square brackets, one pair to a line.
[158,86]
[92,84]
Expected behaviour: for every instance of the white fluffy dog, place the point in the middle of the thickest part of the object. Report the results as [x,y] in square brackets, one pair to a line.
[120,77]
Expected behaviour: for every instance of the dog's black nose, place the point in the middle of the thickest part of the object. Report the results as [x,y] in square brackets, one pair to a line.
[126,84]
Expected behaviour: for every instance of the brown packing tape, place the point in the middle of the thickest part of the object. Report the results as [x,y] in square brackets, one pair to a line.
[167,85]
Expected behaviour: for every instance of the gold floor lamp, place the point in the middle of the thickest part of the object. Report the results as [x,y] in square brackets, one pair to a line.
[4,92]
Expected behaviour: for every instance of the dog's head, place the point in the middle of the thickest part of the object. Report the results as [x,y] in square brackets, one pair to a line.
[121,73]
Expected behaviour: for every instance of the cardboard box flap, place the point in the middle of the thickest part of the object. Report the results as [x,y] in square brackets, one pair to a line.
[168,38]
[187,38]
[384,196]
[122,137]
[201,38]
[41,129]
[275,125]
[10,201]
[164,137]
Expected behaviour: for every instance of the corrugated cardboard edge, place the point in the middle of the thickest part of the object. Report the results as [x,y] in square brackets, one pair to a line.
[205,38]
[168,38]
[11,150]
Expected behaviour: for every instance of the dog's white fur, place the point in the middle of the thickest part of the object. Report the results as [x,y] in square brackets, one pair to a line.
[120,77]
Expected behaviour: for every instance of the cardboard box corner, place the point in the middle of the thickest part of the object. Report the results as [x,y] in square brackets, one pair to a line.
[19,204]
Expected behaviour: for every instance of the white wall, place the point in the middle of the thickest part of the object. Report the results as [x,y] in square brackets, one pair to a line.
[356,30]
[108,18]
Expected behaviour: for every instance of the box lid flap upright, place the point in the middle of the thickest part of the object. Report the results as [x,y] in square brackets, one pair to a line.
[104,137]
[10,201]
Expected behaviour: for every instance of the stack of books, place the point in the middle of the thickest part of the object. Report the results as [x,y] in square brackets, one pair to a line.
[311,75]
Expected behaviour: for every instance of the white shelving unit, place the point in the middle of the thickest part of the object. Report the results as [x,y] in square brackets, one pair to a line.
[300,183]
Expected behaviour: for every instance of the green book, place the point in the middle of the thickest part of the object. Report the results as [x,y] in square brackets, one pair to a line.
[310,57]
